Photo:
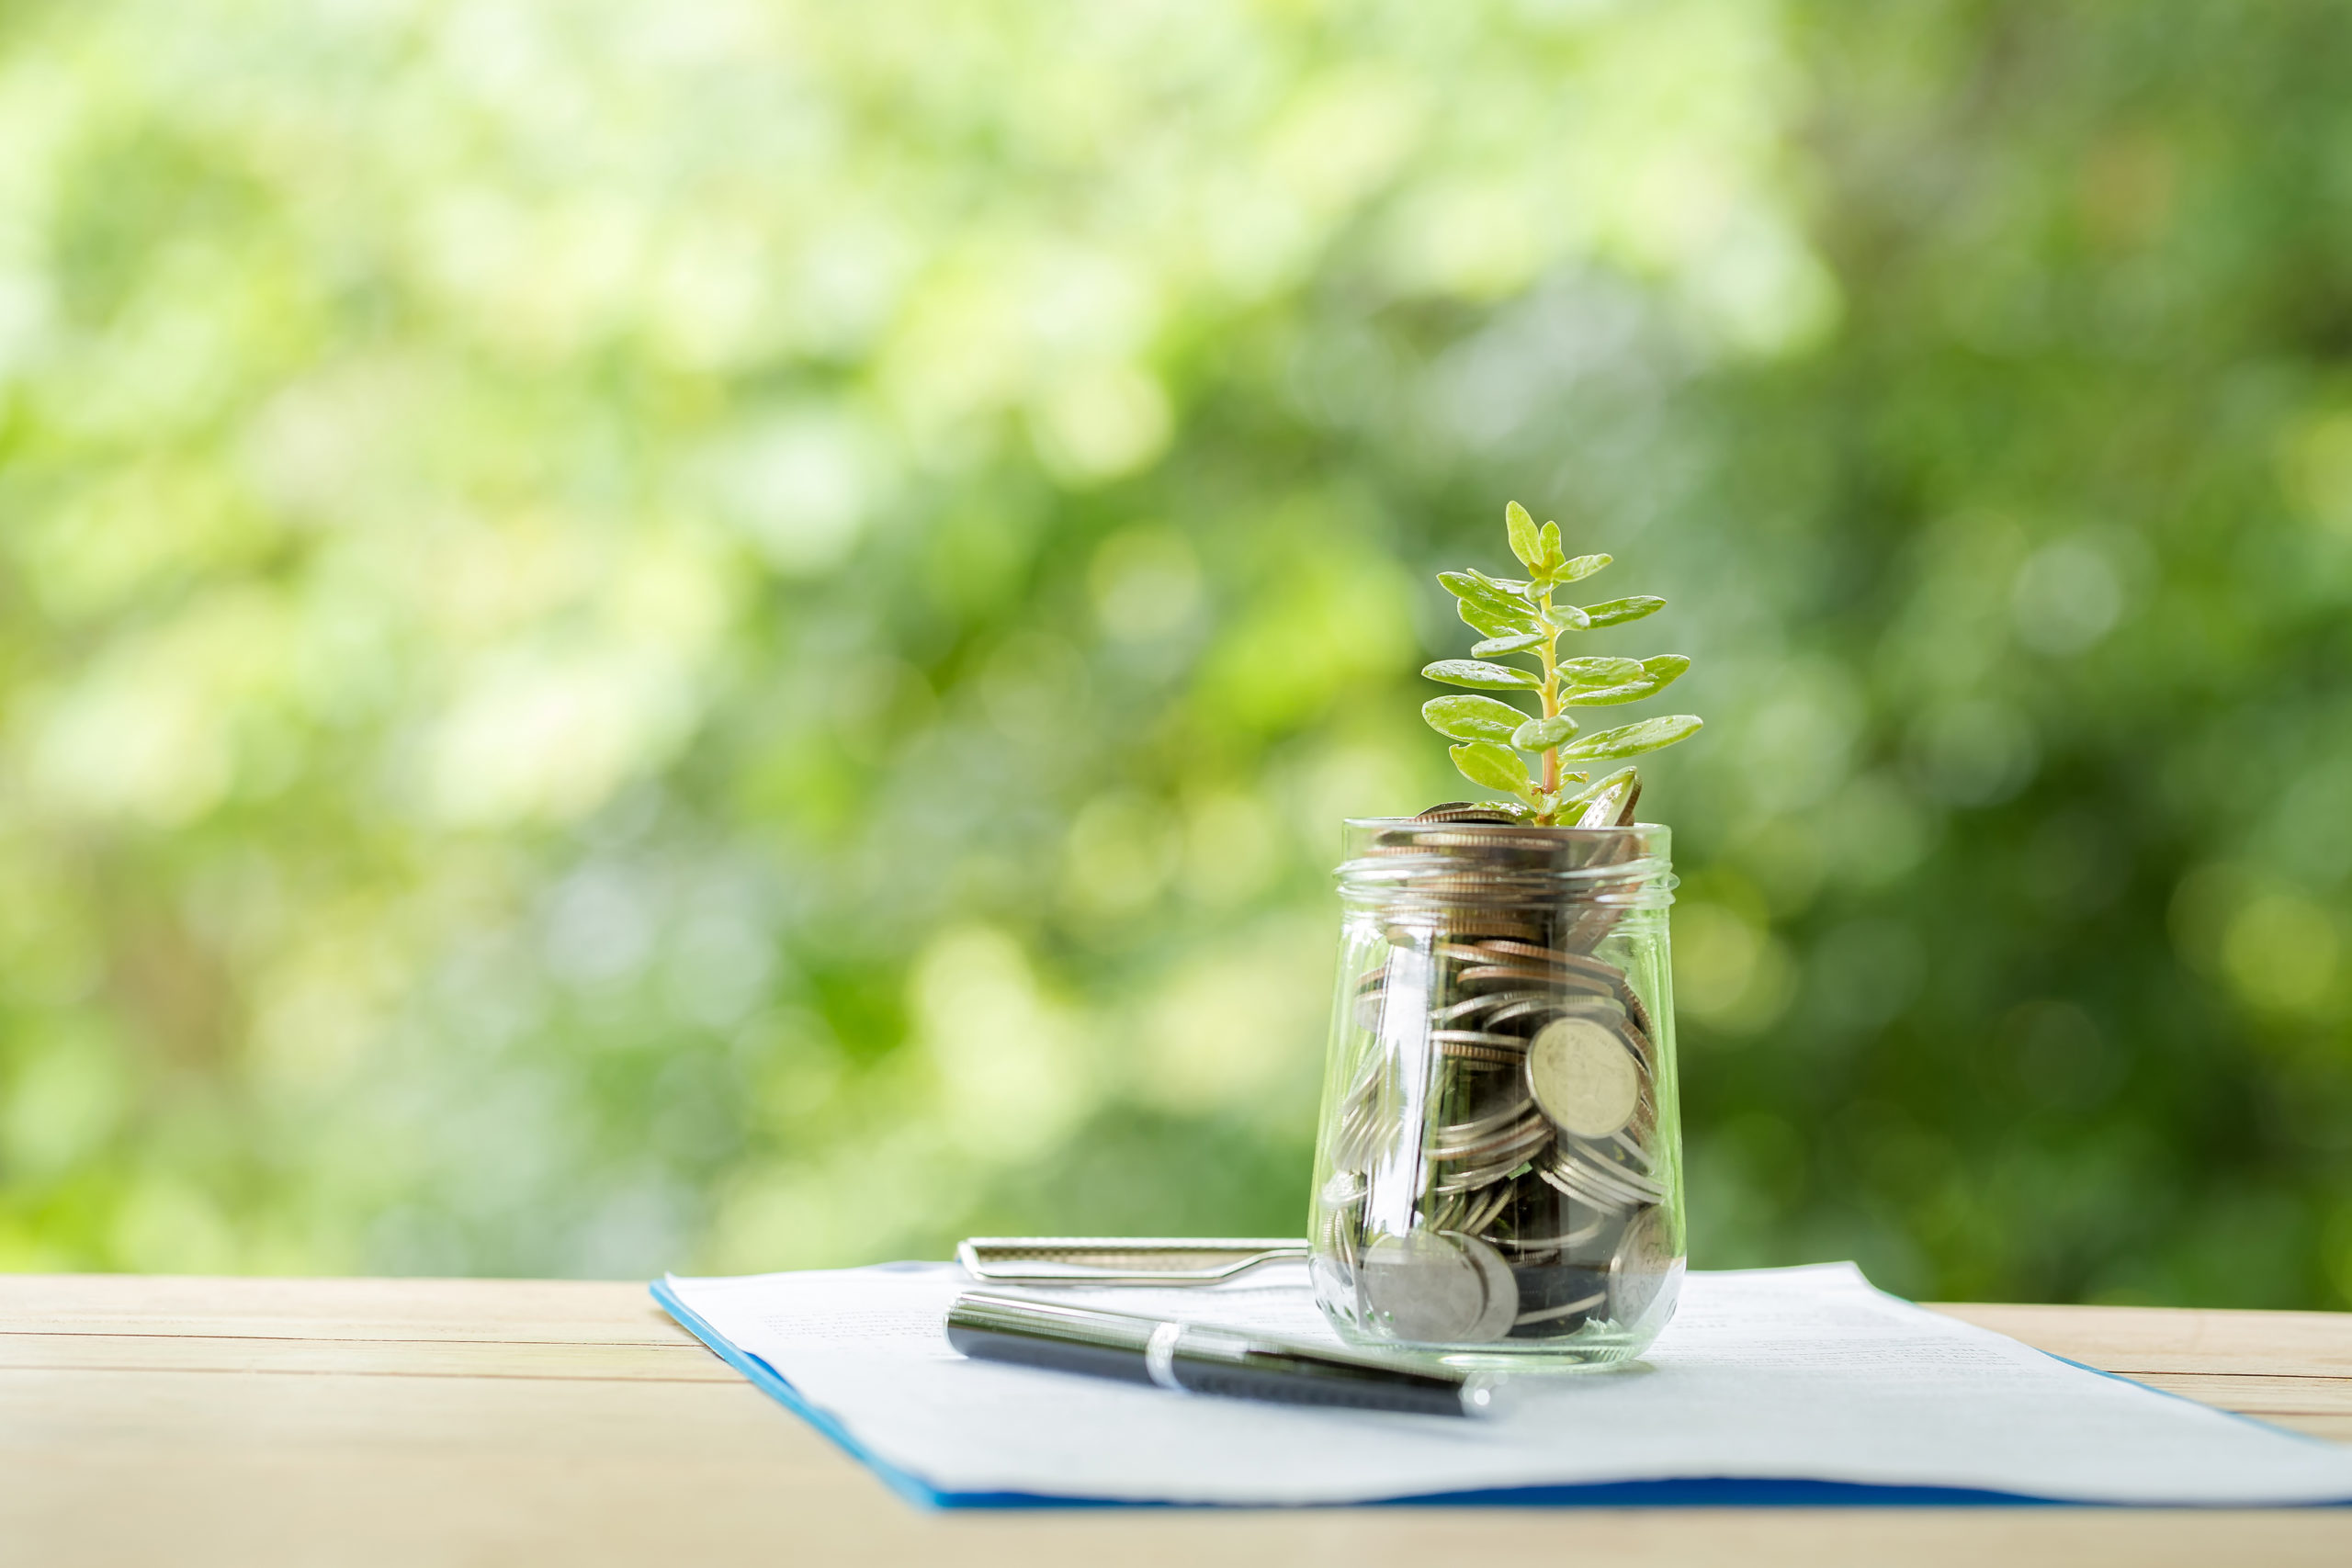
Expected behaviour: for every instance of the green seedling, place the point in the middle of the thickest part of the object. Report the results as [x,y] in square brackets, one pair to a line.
[1517,620]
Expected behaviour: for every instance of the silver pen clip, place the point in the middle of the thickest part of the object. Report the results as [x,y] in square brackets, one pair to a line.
[1120,1259]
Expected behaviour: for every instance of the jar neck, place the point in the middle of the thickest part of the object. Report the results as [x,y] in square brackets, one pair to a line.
[1390,861]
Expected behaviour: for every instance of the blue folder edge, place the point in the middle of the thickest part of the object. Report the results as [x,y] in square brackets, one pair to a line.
[1704,1492]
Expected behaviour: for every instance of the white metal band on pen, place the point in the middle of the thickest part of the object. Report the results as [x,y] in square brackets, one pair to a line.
[1159,1355]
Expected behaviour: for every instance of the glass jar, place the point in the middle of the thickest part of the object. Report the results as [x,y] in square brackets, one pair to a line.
[1499,1169]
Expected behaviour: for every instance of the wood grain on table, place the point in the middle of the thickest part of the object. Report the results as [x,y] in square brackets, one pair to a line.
[426,1421]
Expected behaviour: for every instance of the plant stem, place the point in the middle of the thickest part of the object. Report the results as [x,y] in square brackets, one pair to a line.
[1551,693]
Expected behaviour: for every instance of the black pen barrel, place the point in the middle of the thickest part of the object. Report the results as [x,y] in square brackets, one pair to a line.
[1054,1355]
[1062,1336]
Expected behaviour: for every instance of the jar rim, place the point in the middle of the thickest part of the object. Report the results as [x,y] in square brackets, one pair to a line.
[1408,855]
[1393,823]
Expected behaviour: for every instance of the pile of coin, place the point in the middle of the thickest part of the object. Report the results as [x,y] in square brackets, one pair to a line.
[1495,1172]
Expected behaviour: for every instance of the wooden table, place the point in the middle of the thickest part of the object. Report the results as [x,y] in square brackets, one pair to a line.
[429,1421]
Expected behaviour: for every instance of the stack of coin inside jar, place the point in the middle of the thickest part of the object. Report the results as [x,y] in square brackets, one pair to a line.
[1497,1171]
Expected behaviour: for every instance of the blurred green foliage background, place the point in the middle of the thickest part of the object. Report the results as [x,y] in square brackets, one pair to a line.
[732,636]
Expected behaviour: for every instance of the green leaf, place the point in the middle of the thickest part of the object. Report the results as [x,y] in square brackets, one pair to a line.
[1496,767]
[1617,612]
[1571,617]
[1485,608]
[1509,587]
[1605,696]
[1600,670]
[1542,734]
[1475,584]
[1461,584]
[1580,568]
[1526,543]
[1523,643]
[1476,673]
[1632,740]
[1654,676]
[1553,556]
[1664,670]
[1463,717]
[1483,620]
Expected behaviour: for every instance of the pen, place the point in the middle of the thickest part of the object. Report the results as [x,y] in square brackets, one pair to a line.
[1202,1357]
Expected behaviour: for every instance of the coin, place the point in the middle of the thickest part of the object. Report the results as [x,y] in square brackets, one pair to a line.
[1546,1224]
[1589,969]
[1511,1043]
[1469,952]
[1604,1010]
[1581,1074]
[1497,1199]
[1464,811]
[1467,1178]
[1425,1285]
[1630,1151]
[1639,1012]
[1596,1168]
[1565,1241]
[1501,1288]
[1505,1144]
[1504,950]
[1465,922]
[1644,1263]
[1499,975]
[1484,1056]
[1573,1171]
[1614,806]
[1490,1001]
[1479,1127]
[1558,1299]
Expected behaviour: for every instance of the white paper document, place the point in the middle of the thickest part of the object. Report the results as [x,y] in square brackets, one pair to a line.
[1790,1375]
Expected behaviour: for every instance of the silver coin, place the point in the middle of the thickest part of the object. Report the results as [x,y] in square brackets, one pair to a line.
[1473,1130]
[1506,1144]
[1630,1148]
[1465,1179]
[1595,973]
[1426,1286]
[1644,1264]
[1485,1055]
[1604,1009]
[1477,1037]
[1489,1002]
[1565,1241]
[1501,950]
[1614,806]
[1466,811]
[1488,1210]
[1501,1288]
[1576,1178]
[1596,1167]
[1580,1073]
[1524,976]
[1640,1013]
[1462,953]
[1498,1152]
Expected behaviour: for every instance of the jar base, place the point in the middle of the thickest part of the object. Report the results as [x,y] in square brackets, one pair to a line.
[1594,1348]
